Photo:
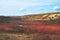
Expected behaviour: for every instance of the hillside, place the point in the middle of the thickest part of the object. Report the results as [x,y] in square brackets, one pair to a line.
[33,17]
[30,27]
[21,23]
[45,16]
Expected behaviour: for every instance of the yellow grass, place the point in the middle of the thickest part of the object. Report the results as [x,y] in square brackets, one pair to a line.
[35,36]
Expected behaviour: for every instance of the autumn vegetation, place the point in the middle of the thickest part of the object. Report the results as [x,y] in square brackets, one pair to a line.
[30,27]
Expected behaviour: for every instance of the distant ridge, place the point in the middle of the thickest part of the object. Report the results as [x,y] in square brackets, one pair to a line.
[45,16]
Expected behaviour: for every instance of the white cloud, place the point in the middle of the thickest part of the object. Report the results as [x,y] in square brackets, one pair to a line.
[22,9]
[56,7]
[30,13]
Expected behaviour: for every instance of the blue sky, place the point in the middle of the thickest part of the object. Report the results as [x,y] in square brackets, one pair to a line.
[25,7]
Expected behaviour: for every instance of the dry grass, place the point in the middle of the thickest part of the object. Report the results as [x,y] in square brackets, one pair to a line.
[14,37]
[46,37]
[35,36]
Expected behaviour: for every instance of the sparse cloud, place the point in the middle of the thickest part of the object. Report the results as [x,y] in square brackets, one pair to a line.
[30,13]
[56,7]
[21,9]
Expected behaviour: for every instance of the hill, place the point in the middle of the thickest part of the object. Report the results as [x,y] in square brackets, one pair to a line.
[21,23]
[45,16]
[30,27]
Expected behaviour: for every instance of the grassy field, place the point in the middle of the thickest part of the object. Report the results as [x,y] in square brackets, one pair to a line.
[34,36]
[13,36]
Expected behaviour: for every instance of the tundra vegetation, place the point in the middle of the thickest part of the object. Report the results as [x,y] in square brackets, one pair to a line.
[29,27]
